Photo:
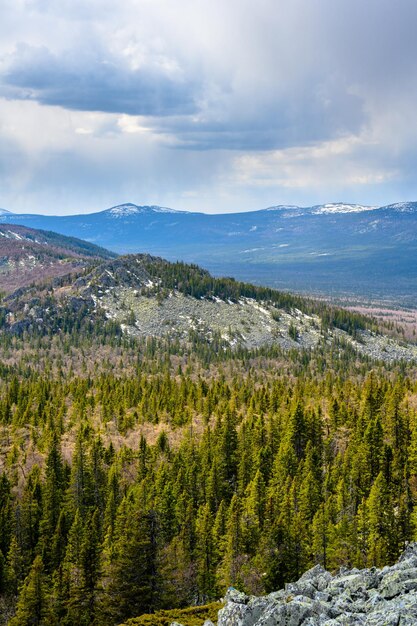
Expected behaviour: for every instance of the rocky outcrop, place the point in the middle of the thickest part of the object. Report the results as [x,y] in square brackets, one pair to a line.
[368,597]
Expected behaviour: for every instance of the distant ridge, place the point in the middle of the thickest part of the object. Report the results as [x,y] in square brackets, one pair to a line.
[130,208]
[339,249]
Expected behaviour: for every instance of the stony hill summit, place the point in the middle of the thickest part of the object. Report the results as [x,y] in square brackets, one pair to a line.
[142,296]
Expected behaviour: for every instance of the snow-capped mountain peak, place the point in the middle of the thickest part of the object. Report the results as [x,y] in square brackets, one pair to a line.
[4,212]
[129,209]
[122,210]
[341,207]
[282,207]
[321,209]
[403,207]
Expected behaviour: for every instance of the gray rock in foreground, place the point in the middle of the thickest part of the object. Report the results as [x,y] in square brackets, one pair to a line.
[368,597]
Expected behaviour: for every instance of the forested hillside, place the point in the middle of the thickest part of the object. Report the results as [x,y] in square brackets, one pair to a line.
[142,296]
[135,476]
[145,473]
[29,256]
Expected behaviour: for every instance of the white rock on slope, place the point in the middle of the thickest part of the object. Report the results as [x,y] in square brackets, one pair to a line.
[369,597]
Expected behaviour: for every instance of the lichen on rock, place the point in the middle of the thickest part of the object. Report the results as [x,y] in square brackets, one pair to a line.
[368,597]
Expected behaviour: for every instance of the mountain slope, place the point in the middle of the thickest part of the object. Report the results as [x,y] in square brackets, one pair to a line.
[140,296]
[28,255]
[341,249]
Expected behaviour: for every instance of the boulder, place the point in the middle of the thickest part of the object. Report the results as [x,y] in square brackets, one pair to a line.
[368,597]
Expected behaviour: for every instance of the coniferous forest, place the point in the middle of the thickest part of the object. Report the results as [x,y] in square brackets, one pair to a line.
[145,475]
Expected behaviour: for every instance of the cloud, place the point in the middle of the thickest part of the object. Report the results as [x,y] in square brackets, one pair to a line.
[329,164]
[47,165]
[231,76]
[313,112]
[213,79]
[96,83]
[194,115]
[207,105]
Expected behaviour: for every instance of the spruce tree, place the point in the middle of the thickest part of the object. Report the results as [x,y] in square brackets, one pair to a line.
[205,554]
[132,579]
[33,605]
[381,523]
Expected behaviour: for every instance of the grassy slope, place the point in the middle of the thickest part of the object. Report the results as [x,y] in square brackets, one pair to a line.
[192,616]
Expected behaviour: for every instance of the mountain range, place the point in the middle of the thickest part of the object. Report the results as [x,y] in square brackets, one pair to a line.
[338,249]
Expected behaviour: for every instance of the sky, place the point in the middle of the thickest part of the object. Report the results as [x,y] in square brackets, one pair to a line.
[206,105]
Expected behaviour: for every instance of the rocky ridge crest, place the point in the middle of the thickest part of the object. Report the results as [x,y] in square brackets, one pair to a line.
[367,597]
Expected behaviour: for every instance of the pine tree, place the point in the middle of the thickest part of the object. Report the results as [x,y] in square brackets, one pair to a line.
[253,513]
[68,583]
[206,579]
[5,513]
[14,567]
[363,535]
[31,508]
[132,584]
[52,498]
[59,541]
[33,607]
[90,565]
[230,568]
[226,452]
[2,574]
[381,523]
[81,487]
[320,539]
[112,501]
[219,532]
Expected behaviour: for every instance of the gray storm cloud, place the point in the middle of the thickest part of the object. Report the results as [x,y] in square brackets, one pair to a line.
[96,83]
